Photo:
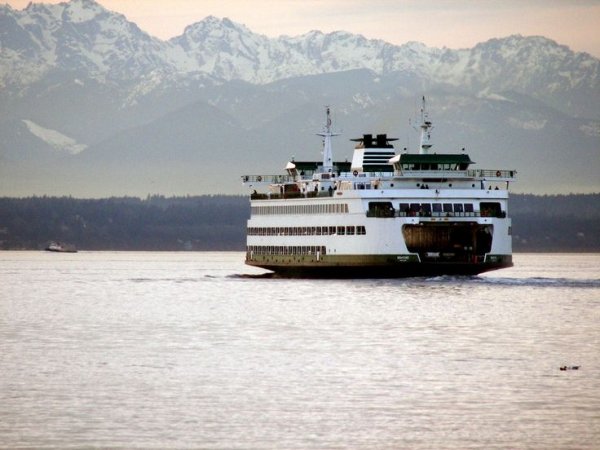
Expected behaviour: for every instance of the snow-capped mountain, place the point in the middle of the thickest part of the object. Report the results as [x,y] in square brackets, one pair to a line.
[87,94]
[77,36]
[81,35]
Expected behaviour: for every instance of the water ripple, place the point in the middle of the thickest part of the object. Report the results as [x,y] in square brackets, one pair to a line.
[195,351]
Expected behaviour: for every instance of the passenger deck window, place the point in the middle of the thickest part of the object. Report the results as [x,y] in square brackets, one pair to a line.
[491,209]
[381,209]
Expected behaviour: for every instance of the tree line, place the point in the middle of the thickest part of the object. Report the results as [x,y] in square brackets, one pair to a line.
[569,223]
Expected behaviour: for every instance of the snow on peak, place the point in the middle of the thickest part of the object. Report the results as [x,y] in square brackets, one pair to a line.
[79,11]
[82,35]
[55,139]
[78,35]
[213,26]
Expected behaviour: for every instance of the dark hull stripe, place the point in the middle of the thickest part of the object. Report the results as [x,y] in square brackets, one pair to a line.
[378,267]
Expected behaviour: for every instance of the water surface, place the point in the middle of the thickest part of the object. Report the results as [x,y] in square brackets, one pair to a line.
[184,350]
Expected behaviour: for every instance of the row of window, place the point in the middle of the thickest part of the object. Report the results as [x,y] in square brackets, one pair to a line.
[409,209]
[307,231]
[437,207]
[286,250]
[486,209]
[326,208]
[386,209]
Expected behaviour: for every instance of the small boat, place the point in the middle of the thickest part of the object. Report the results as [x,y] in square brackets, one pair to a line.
[60,247]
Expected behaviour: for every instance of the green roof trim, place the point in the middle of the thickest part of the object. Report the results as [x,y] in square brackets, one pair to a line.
[459,158]
[314,165]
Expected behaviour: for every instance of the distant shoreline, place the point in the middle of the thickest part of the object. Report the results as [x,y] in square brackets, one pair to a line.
[540,224]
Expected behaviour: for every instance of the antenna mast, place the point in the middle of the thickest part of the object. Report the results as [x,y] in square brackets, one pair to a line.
[327,151]
[426,128]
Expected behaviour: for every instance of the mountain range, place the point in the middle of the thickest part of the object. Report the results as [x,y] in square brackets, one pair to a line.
[91,105]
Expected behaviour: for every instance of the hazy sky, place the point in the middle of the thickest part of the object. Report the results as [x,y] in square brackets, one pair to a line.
[437,23]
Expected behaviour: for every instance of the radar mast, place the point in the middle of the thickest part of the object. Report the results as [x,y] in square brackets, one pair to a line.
[426,128]
[327,150]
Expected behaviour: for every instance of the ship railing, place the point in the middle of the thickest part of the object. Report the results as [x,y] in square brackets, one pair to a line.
[289,195]
[267,179]
[491,174]
[366,174]
[487,174]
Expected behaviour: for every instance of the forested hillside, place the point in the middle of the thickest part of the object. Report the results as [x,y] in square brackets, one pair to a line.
[568,223]
[156,223]
[556,223]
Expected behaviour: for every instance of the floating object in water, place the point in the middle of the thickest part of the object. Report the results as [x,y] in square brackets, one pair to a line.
[60,247]
[570,367]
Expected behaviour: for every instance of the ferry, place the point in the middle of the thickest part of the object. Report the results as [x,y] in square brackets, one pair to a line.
[382,214]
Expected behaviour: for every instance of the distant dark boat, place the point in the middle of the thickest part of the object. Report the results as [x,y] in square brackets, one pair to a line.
[60,247]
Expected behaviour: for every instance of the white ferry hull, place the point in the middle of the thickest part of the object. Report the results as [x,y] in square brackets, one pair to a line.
[342,236]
